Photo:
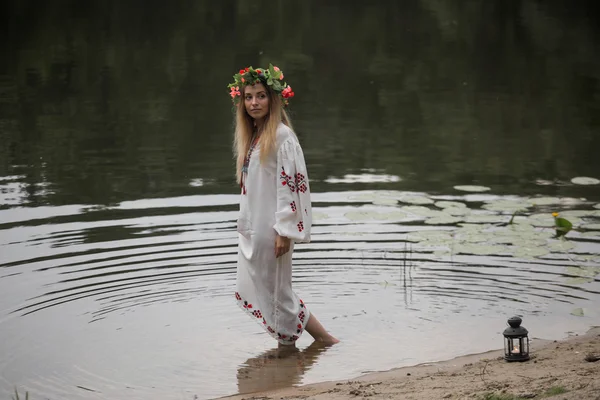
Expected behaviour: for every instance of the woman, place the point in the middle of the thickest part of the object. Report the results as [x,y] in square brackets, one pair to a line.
[275,207]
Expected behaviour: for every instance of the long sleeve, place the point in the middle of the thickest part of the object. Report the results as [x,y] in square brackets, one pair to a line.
[293,218]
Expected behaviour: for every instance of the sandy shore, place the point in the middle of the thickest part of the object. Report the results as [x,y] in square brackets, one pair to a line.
[565,366]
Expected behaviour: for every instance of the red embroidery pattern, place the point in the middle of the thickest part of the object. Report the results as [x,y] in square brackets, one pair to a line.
[301,183]
[301,316]
[293,205]
[300,226]
[298,182]
[287,180]
[277,335]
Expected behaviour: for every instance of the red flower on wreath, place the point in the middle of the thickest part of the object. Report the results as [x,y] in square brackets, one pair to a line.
[235,91]
[287,93]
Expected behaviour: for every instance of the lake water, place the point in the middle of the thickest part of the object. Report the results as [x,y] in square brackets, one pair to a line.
[425,125]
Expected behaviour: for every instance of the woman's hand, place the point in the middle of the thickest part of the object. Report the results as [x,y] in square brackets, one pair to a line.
[282,245]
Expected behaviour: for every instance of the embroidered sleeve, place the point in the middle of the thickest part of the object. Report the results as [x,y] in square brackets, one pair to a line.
[293,218]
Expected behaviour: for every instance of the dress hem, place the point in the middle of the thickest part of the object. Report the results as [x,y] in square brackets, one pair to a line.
[256,315]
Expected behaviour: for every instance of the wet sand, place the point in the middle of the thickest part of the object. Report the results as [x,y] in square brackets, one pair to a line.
[566,366]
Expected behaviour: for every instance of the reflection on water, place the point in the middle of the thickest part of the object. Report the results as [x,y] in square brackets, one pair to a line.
[426,126]
[277,368]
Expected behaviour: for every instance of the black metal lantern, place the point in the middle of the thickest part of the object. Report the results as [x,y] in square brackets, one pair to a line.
[516,341]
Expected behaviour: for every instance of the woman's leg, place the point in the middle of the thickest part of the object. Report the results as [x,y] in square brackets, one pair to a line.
[318,332]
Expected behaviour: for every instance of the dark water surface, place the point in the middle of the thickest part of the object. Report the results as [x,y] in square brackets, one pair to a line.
[118,205]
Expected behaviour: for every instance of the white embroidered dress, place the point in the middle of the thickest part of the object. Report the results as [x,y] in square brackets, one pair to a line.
[275,200]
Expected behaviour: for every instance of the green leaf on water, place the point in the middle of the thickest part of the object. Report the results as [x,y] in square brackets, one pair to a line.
[456,211]
[561,246]
[479,250]
[530,252]
[385,202]
[507,205]
[578,312]
[579,281]
[584,180]
[472,188]
[485,219]
[415,200]
[541,220]
[584,272]
[443,220]
[544,201]
[421,211]
[450,204]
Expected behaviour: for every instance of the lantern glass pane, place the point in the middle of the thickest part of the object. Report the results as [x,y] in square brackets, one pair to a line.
[515,347]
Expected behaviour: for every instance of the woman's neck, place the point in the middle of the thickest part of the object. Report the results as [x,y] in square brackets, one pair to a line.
[259,125]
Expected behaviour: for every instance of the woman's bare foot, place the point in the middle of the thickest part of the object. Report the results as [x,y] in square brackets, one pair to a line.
[318,332]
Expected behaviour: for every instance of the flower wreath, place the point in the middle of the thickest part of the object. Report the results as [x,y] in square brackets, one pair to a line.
[271,76]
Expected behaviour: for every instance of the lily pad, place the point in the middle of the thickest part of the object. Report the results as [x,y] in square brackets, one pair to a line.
[422,211]
[578,312]
[544,201]
[416,200]
[576,214]
[443,220]
[364,178]
[473,227]
[541,220]
[587,272]
[472,188]
[507,205]
[485,219]
[383,201]
[584,180]
[579,281]
[364,197]
[437,237]
[449,204]
[561,246]
[480,250]
[456,211]
[530,252]
[474,237]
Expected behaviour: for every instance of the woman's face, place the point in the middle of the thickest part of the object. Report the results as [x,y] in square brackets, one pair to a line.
[256,101]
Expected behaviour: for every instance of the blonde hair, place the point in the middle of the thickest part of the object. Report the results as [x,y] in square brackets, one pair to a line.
[244,129]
